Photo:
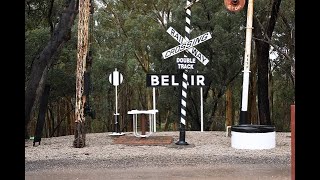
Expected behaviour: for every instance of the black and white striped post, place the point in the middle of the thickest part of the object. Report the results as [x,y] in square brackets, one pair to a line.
[185,63]
[116,78]
[184,82]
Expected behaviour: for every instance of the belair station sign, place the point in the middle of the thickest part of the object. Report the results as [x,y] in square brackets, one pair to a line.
[155,80]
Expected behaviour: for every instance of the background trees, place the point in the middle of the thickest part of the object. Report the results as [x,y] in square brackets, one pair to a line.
[130,35]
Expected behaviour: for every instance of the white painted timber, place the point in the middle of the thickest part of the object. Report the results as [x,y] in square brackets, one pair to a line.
[186,45]
[197,54]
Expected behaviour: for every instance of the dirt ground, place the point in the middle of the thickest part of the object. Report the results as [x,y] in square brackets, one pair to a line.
[209,156]
[220,172]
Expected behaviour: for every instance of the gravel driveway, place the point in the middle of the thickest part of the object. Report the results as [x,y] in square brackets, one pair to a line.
[209,155]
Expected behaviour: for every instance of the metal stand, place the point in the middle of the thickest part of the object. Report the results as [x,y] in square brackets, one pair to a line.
[151,118]
[116,126]
[116,78]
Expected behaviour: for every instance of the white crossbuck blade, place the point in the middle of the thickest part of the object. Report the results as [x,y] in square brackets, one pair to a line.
[187,45]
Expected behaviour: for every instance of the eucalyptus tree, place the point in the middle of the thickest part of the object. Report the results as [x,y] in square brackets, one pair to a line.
[264,22]
[60,16]
[128,35]
[282,67]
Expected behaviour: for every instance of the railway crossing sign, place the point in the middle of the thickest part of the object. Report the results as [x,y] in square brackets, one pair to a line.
[187,46]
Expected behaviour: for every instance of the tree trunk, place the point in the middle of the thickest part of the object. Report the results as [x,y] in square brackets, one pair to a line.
[166,124]
[82,49]
[263,99]
[262,49]
[252,104]
[129,105]
[42,115]
[48,124]
[175,125]
[71,116]
[42,62]
[59,118]
[63,112]
[229,107]
[270,91]
[194,111]
[52,120]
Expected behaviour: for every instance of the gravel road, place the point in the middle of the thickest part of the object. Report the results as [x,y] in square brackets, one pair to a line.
[209,155]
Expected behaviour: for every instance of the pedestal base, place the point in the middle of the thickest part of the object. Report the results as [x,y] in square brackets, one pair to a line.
[116,134]
[253,137]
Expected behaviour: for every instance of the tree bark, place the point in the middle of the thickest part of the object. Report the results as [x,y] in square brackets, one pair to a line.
[166,124]
[229,107]
[262,49]
[252,104]
[42,115]
[45,59]
[48,124]
[59,117]
[82,49]
[192,110]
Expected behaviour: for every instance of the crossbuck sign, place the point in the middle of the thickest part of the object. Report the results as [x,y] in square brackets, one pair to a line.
[187,46]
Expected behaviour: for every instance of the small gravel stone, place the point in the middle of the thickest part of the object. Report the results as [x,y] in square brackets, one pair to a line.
[206,148]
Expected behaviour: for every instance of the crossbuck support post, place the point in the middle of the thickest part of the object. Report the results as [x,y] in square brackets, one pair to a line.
[187,46]
[184,83]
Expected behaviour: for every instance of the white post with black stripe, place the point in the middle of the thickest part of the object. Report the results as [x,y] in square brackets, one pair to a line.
[116,78]
[246,65]
[184,82]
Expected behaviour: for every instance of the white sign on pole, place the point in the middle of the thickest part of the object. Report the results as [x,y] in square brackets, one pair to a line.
[115,78]
[197,54]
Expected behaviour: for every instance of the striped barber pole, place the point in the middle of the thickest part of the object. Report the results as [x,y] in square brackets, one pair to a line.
[184,98]
[184,84]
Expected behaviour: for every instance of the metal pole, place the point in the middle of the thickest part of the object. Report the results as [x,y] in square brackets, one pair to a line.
[115,78]
[246,69]
[116,99]
[293,160]
[116,124]
[201,108]
[184,83]
[154,108]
